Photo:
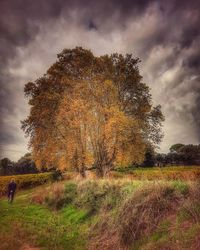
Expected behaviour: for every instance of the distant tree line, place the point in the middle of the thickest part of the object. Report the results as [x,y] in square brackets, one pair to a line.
[25,165]
[179,154]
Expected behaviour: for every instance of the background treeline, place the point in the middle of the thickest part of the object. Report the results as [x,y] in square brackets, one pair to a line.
[179,154]
[25,165]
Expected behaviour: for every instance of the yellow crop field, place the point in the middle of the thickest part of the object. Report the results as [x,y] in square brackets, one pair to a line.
[24,181]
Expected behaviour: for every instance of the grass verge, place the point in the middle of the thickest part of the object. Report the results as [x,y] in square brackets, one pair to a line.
[104,214]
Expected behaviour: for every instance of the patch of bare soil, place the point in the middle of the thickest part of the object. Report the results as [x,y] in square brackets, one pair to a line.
[29,247]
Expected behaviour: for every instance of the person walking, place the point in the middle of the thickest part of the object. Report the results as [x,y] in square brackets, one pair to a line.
[12,186]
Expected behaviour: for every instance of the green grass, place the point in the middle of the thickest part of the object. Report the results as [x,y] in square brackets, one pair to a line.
[67,228]
[91,212]
[43,227]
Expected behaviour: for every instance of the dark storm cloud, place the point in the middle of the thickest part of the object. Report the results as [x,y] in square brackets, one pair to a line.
[19,19]
[164,34]
[18,22]
[193,61]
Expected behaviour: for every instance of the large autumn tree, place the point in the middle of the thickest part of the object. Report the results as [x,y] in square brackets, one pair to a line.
[89,110]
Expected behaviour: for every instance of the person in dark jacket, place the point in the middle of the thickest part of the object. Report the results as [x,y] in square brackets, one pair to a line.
[11,190]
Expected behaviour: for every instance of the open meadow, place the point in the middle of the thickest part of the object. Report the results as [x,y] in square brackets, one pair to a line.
[112,213]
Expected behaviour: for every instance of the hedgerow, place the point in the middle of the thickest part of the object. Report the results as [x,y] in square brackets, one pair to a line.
[24,181]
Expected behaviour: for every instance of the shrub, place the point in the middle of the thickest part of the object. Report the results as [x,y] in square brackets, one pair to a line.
[54,196]
[57,175]
[70,192]
[94,195]
[57,195]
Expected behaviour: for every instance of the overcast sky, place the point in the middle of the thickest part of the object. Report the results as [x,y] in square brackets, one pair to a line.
[164,34]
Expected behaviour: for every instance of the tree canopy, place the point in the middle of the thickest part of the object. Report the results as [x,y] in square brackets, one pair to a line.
[91,111]
[176,147]
[180,154]
[25,165]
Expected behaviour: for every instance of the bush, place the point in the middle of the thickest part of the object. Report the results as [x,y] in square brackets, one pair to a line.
[70,192]
[94,195]
[91,195]
[24,181]
[54,196]
[57,175]
[57,195]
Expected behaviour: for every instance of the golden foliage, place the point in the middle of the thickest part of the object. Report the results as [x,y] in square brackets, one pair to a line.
[90,111]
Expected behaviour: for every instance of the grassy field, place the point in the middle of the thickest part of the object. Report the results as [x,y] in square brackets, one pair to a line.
[24,224]
[103,214]
[185,173]
[155,208]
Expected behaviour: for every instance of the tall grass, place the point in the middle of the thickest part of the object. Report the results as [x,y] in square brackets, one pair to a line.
[124,212]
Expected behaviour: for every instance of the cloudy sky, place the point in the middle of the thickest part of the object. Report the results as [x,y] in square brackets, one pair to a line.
[164,34]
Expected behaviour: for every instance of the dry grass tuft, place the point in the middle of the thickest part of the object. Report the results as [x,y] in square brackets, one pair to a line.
[125,212]
[104,236]
[141,213]
[51,195]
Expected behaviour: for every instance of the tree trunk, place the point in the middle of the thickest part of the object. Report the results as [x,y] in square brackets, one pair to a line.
[99,171]
[104,162]
[82,170]
[102,169]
